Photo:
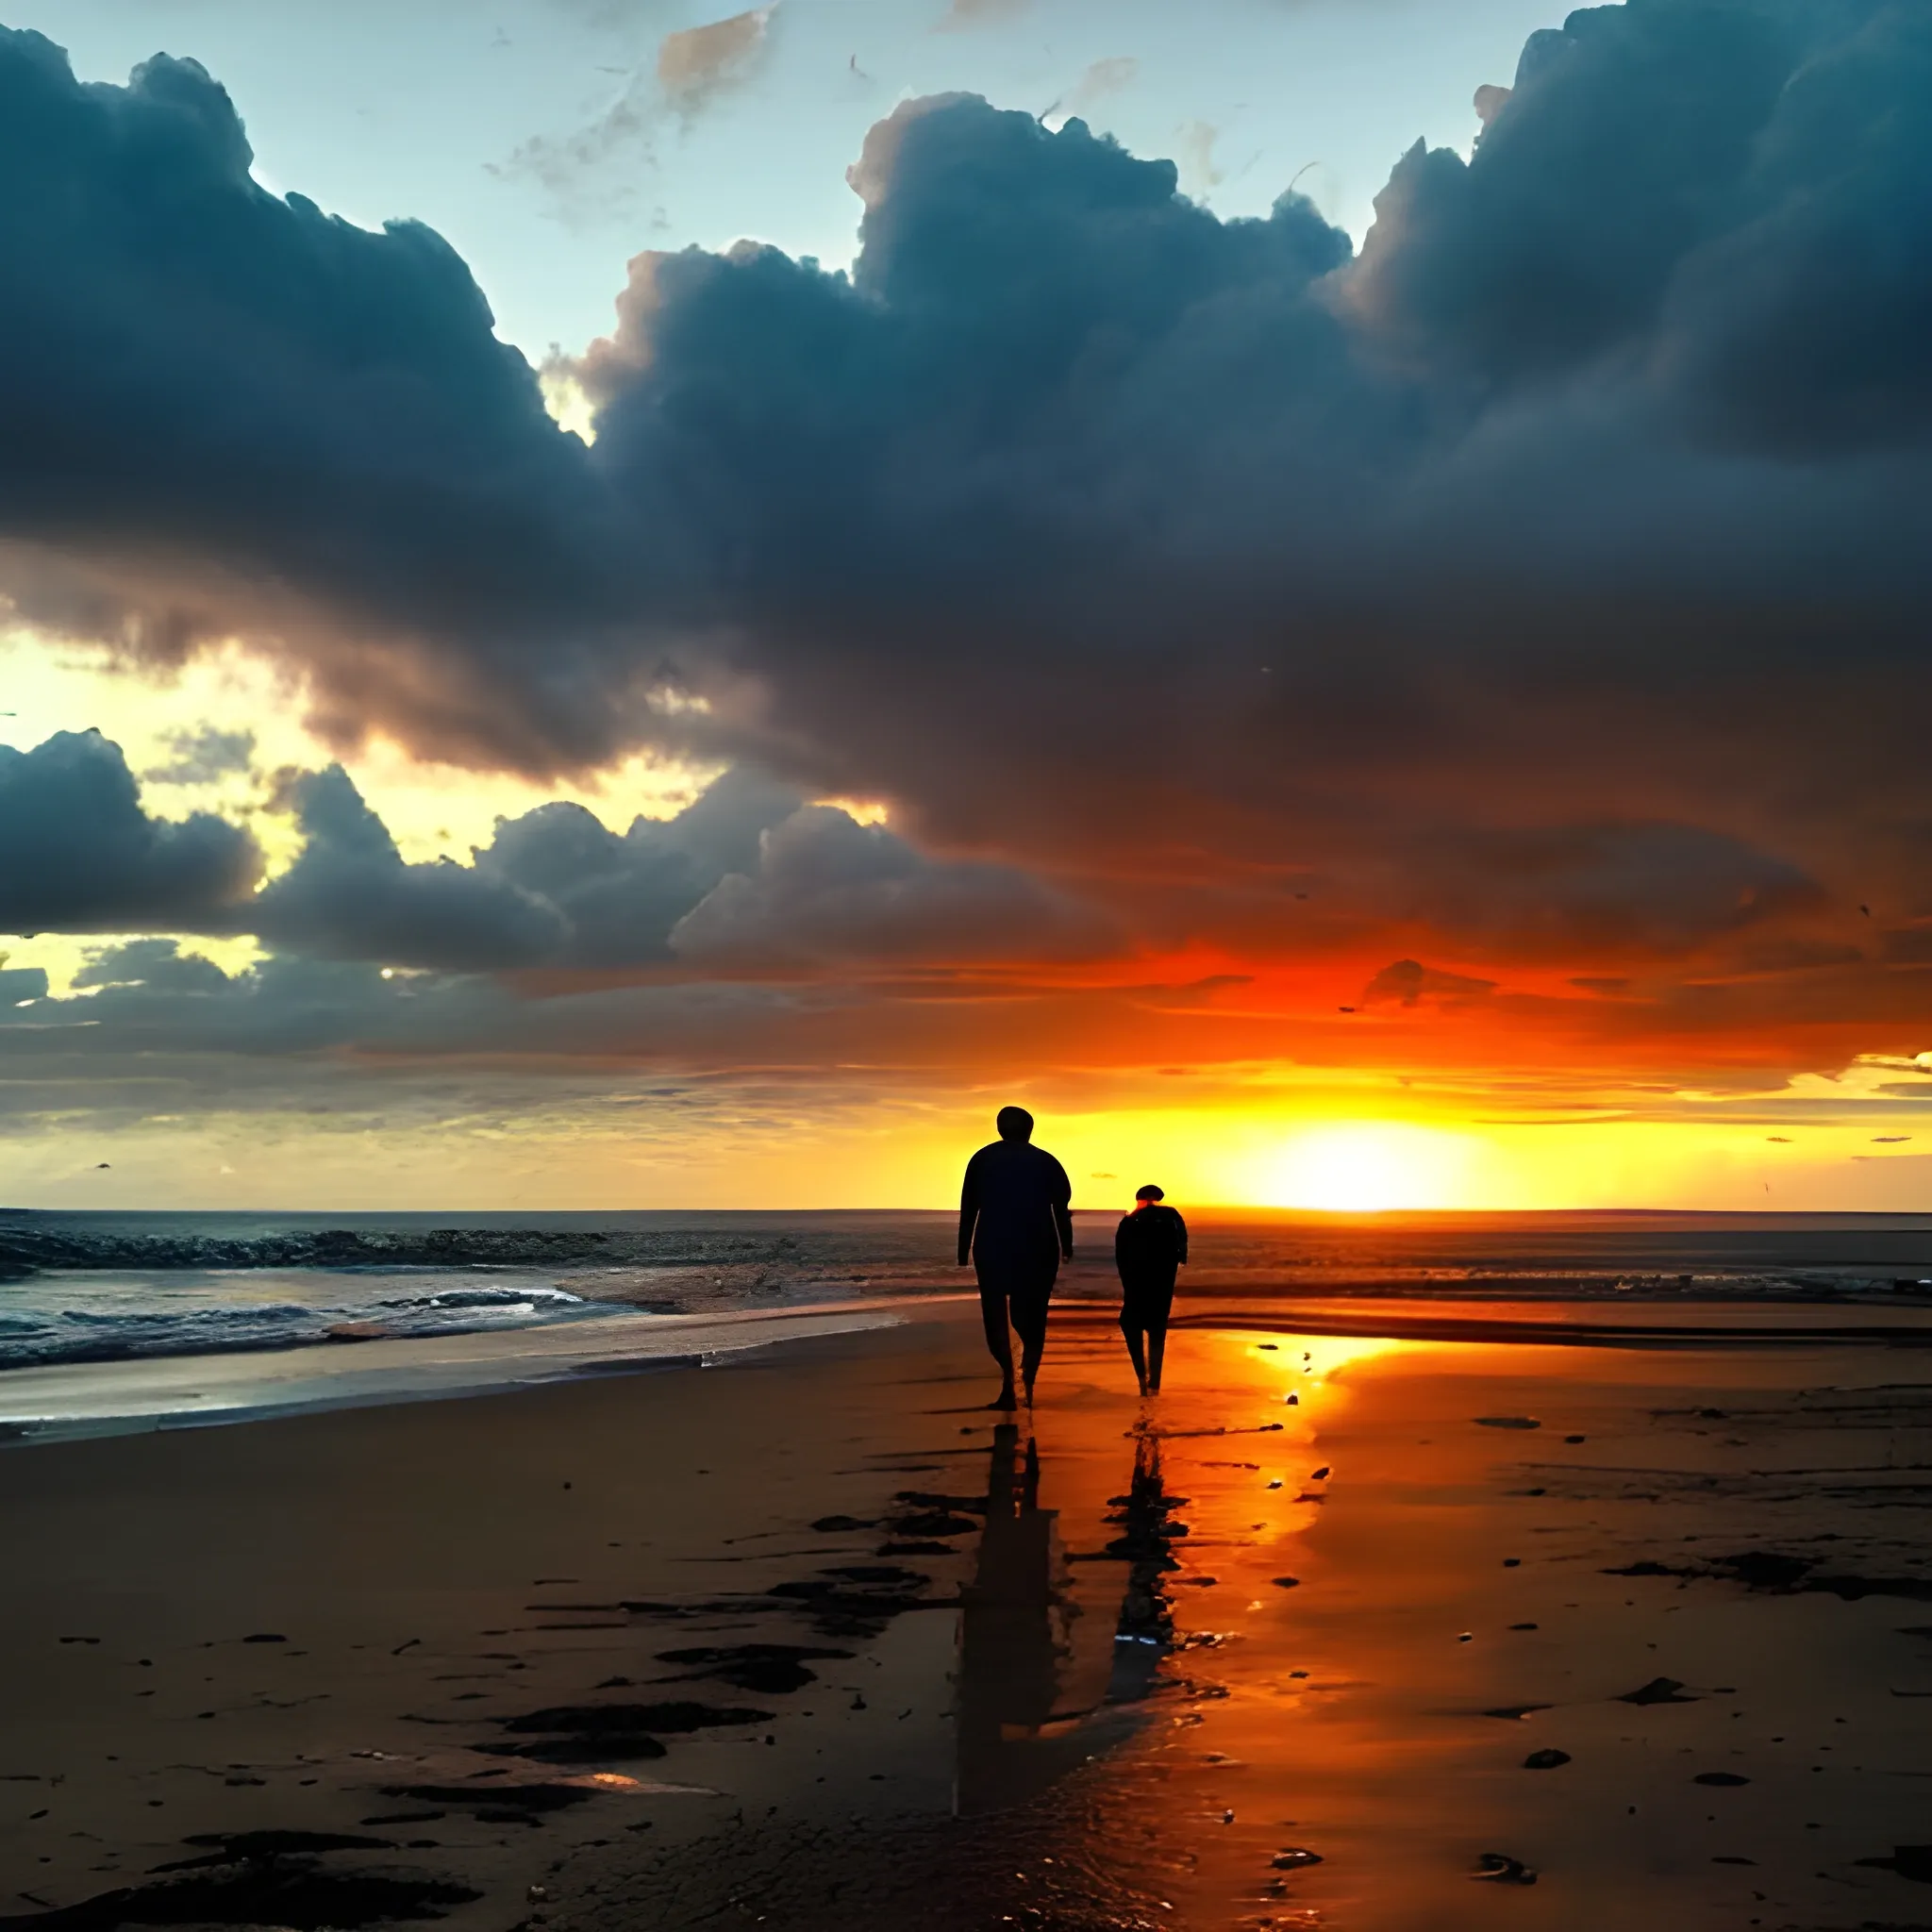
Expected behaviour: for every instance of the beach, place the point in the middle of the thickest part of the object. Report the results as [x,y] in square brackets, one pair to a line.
[1345,1631]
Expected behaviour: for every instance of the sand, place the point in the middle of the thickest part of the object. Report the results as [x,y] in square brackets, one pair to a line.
[802,1641]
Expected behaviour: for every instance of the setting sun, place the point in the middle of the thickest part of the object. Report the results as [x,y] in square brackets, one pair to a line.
[1365,1168]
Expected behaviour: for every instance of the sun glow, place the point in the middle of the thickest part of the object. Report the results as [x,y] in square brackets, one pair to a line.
[1365,1168]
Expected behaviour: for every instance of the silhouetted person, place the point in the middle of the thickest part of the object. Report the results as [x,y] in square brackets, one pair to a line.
[1150,1244]
[1015,1226]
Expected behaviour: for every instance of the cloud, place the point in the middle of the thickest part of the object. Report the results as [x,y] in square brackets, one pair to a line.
[203,756]
[962,14]
[1100,82]
[1411,982]
[78,853]
[747,879]
[223,410]
[1541,585]
[351,896]
[826,888]
[697,63]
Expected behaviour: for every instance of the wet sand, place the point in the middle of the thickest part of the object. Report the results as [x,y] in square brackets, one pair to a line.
[807,1640]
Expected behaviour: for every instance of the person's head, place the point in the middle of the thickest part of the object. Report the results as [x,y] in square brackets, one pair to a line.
[1014,1123]
[1150,1193]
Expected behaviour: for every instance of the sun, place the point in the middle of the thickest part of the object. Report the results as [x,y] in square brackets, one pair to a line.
[1368,1166]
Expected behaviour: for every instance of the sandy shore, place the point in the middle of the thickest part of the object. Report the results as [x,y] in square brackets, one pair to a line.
[803,1642]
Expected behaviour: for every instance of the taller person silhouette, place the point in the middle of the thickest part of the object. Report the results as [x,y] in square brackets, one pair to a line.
[1015,1226]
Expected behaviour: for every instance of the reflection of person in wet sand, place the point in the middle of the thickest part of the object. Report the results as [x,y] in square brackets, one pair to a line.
[1010,1643]
[1148,1531]
[1149,1246]
[1016,1227]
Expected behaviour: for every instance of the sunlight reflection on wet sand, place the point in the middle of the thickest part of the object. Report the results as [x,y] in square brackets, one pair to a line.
[1396,1647]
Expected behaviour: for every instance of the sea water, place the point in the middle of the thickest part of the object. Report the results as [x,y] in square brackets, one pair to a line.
[105,1287]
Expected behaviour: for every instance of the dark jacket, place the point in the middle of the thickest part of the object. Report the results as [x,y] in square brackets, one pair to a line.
[1014,1206]
[1150,1243]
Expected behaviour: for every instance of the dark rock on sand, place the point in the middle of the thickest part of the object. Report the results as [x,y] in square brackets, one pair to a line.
[1294,1858]
[1516,1711]
[1659,1690]
[264,1893]
[766,1668]
[1545,1760]
[233,1847]
[1499,1867]
[933,1523]
[829,1524]
[1767,1569]
[1908,1862]
[1724,1778]
[583,1747]
[469,1797]
[601,1719]
[1507,1422]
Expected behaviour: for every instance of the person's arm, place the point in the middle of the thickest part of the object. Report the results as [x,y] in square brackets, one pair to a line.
[969,1209]
[1120,1248]
[1180,1241]
[1063,1210]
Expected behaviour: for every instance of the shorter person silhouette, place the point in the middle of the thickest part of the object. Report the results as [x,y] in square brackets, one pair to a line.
[1150,1244]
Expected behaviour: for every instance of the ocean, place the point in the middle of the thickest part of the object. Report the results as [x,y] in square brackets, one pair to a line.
[77,1288]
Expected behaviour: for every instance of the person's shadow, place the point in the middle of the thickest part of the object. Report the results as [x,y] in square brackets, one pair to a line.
[1011,1638]
[1015,1629]
[1145,1631]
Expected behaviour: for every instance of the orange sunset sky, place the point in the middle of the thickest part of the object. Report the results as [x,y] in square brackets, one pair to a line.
[1407,693]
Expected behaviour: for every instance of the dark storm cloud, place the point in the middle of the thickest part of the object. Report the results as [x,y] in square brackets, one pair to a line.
[207,390]
[350,895]
[1570,526]
[620,895]
[748,877]
[745,877]
[78,853]
[828,888]
[1550,577]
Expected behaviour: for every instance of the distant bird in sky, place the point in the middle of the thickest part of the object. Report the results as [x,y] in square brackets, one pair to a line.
[102,1164]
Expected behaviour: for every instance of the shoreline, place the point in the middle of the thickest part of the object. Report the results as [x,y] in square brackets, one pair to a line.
[72,1401]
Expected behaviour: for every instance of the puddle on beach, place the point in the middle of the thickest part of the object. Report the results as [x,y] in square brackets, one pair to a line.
[1337,1633]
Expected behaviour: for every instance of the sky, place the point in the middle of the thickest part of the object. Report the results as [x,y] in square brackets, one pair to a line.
[606,604]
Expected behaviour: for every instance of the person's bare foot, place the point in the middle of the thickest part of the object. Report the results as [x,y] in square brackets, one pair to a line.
[1005,1398]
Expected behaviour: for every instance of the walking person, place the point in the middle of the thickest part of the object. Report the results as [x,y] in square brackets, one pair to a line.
[1149,1246]
[1015,1226]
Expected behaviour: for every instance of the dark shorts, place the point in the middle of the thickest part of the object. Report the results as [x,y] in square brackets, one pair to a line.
[1016,1288]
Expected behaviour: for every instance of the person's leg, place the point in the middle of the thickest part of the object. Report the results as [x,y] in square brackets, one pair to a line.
[1029,1323]
[1131,1328]
[1155,1310]
[993,1312]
